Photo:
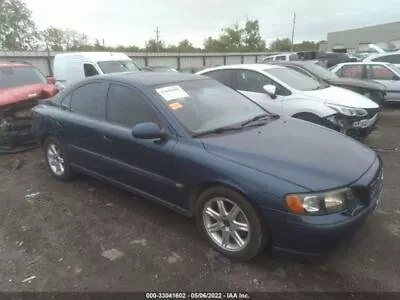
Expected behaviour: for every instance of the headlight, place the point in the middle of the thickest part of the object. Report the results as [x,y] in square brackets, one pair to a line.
[348,111]
[321,203]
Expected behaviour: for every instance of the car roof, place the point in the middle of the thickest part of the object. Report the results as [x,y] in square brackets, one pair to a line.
[295,62]
[96,56]
[152,78]
[16,64]
[376,55]
[365,63]
[255,67]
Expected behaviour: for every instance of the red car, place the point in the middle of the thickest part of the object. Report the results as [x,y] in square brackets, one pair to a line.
[22,87]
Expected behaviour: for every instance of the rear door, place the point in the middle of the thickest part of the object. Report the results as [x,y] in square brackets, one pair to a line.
[79,125]
[144,165]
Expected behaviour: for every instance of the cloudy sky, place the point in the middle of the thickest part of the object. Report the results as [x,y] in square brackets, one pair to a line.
[134,21]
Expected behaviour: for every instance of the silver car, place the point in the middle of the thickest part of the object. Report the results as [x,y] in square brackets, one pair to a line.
[385,73]
[388,57]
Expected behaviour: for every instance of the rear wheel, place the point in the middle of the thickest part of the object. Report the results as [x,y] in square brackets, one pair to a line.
[230,223]
[56,158]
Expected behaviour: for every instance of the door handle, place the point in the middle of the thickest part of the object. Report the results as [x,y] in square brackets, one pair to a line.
[107,139]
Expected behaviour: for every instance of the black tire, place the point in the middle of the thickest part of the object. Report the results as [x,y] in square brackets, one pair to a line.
[66,174]
[258,234]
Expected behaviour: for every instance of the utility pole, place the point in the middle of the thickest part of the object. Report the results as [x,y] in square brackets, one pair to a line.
[294,25]
[157,39]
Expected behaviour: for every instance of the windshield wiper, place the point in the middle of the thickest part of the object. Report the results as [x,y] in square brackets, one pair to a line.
[218,130]
[259,118]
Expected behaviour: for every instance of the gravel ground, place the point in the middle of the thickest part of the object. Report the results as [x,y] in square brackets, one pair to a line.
[89,236]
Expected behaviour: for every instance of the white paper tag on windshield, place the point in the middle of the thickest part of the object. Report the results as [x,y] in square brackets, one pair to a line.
[172,92]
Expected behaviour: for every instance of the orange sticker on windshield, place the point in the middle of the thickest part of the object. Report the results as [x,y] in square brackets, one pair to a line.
[175,105]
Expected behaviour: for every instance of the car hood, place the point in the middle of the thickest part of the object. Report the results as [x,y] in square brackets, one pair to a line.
[26,92]
[305,154]
[341,96]
[358,83]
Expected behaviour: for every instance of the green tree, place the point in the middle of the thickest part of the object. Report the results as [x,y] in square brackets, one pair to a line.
[280,45]
[154,46]
[17,29]
[75,41]
[252,39]
[237,39]
[306,46]
[213,45]
[55,38]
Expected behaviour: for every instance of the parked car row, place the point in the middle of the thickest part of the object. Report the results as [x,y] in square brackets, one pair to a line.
[326,59]
[385,73]
[226,152]
[252,177]
[284,91]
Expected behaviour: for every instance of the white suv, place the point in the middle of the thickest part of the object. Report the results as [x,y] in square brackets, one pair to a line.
[284,91]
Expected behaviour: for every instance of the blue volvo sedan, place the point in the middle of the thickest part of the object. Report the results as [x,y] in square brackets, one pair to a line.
[251,179]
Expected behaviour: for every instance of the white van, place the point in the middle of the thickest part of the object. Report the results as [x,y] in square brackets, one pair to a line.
[72,67]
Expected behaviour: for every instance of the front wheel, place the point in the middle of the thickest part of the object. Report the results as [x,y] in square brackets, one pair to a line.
[231,223]
[57,160]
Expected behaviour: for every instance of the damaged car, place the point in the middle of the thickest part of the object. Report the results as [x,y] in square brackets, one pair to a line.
[283,91]
[22,87]
[369,88]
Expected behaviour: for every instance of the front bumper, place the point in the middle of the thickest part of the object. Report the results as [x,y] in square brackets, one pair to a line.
[356,127]
[315,235]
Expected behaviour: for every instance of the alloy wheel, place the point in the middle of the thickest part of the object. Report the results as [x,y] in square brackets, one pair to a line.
[55,159]
[226,224]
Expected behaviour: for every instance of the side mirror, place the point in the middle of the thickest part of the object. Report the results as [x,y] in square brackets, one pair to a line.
[51,80]
[270,90]
[148,131]
[395,77]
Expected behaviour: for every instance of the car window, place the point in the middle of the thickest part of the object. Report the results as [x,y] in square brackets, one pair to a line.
[20,76]
[127,107]
[320,71]
[203,105]
[90,70]
[223,76]
[251,81]
[352,71]
[299,70]
[89,100]
[293,79]
[118,66]
[379,72]
[281,57]
[394,59]
[269,58]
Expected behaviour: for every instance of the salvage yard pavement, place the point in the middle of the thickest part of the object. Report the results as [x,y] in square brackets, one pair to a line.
[89,236]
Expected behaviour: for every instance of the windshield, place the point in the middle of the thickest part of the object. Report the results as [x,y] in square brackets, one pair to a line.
[117,66]
[294,79]
[205,105]
[19,76]
[320,71]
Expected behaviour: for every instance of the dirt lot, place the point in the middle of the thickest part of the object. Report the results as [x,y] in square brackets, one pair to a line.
[89,236]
